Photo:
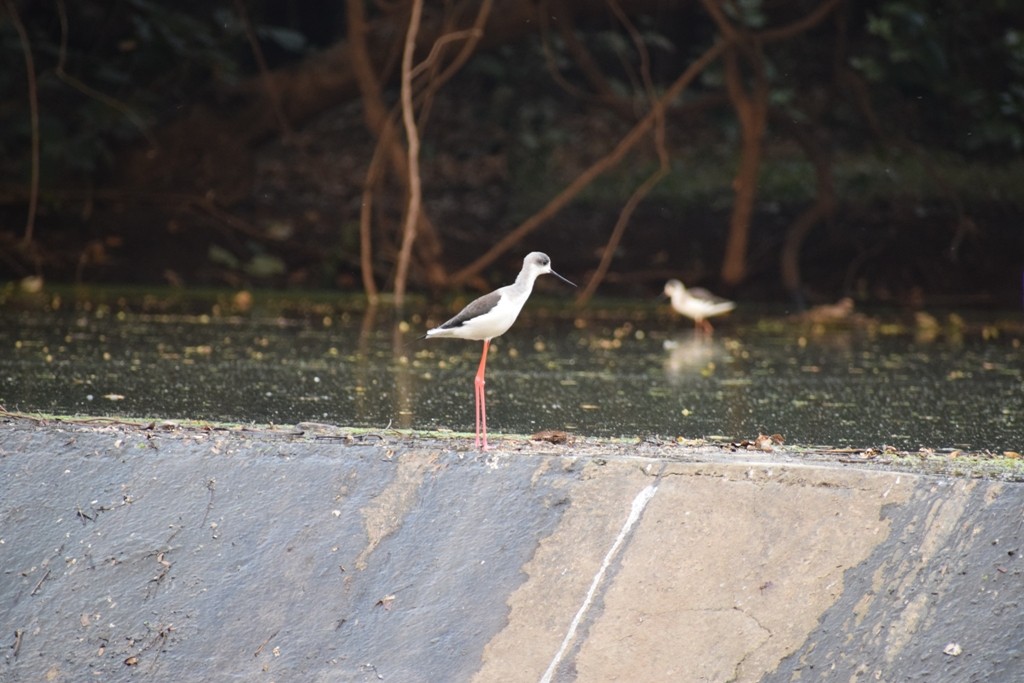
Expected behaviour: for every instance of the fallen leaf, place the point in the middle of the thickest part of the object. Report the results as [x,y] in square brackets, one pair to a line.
[551,436]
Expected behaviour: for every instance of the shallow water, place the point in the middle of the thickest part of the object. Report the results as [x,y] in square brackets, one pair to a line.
[875,383]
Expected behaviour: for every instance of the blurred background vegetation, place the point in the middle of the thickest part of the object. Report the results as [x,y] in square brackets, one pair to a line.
[232,143]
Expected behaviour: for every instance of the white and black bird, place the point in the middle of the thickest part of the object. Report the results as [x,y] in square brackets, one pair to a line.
[697,303]
[490,316]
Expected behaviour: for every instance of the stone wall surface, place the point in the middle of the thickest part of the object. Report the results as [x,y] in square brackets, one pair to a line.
[205,554]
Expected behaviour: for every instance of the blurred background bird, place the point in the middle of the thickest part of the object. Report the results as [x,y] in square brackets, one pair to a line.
[697,303]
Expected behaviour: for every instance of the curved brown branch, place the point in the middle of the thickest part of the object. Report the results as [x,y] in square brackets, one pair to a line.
[645,188]
[373,175]
[770,35]
[641,49]
[620,228]
[812,19]
[472,35]
[375,112]
[429,247]
[751,105]
[615,156]
[435,51]
[412,138]
[752,112]
[587,65]
[714,10]
[415,221]
[33,105]
[382,122]
[378,120]
[821,209]
[559,201]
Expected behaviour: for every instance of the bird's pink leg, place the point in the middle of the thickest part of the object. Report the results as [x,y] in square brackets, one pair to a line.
[481,397]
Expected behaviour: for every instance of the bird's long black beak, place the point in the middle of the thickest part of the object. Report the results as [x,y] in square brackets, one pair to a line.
[563,279]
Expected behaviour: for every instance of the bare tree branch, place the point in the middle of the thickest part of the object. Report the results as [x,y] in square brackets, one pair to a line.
[412,209]
[751,106]
[821,209]
[752,113]
[658,109]
[603,93]
[373,175]
[559,201]
[813,18]
[382,123]
[472,35]
[33,104]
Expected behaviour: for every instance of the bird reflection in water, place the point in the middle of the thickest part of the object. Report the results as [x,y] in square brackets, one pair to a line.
[689,355]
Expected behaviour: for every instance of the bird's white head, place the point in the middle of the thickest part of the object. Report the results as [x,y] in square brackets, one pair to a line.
[538,263]
[674,288]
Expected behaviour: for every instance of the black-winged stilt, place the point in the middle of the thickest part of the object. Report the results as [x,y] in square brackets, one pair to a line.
[490,316]
[697,303]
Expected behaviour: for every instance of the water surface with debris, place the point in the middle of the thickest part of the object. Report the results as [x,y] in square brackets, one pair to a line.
[940,380]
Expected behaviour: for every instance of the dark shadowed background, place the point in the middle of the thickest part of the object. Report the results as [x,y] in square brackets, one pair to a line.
[799,150]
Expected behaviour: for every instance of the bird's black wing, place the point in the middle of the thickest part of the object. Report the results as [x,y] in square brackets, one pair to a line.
[705,295]
[474,309]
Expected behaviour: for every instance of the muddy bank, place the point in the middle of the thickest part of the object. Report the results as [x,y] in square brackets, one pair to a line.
[316,554]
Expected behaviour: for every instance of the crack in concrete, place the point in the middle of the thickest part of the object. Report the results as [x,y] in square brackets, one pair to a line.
[639,503]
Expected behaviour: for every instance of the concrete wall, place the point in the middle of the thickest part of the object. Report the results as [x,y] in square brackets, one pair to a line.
[193,555]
